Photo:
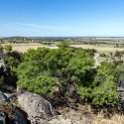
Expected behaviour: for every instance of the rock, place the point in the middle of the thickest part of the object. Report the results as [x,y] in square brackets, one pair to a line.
[3,98]
[60,120]
[19,117]
[4,103]
[37,108]
[7,109]
[8,88]
[2,117]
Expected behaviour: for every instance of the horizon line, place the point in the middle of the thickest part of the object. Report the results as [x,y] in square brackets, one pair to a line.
[63,36]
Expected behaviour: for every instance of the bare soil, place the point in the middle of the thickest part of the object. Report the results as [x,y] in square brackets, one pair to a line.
[84,115]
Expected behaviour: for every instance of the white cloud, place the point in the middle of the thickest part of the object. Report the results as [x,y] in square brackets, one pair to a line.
[22,26]
[29,29]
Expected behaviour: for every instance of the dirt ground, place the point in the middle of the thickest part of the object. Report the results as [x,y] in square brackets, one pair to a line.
[84,115]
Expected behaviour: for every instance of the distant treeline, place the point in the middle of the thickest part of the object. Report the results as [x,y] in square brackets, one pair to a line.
[115,42]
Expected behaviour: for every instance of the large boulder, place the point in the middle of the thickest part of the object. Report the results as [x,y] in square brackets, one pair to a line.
[37,108]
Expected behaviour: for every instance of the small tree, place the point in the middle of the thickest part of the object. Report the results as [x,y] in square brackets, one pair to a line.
[8,48]
[104,92]
[1,48]
[64,44]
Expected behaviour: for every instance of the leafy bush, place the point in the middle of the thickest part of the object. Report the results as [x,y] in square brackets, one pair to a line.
[43,85]
[84,93]
[104,92]
[42,71]
[42,68]
[8,48]
[14,58]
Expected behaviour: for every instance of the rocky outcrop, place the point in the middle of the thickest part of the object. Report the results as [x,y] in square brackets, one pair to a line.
[7,109]
[37,108]
[40,111]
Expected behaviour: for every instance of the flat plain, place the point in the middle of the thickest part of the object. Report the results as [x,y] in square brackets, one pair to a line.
[24,47]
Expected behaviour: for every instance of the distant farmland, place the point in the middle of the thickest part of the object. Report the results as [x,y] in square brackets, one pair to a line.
[25,47]
[22,44]
[100,48]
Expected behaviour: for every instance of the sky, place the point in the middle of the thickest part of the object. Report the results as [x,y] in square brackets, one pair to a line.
[61,18]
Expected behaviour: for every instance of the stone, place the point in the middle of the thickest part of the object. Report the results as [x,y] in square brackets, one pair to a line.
[37,108]
[2,117]
[3,98]
[6,109]
[60,120]
[19,117]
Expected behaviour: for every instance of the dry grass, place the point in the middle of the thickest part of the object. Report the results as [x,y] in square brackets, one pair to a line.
[99,48]
[116,119]
[24,47]
[7,108]
[85,115]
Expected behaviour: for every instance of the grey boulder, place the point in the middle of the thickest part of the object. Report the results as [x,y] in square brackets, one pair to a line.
[37,108]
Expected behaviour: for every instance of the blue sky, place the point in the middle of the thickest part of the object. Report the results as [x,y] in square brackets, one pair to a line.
[61,18]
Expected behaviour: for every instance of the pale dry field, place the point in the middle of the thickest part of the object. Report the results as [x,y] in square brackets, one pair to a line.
[99,48]
[24,47]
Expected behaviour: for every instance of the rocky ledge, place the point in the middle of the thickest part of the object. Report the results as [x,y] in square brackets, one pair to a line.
[30,108]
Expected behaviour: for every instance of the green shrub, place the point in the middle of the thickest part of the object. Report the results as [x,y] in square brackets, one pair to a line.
[43,70]
[8,48]
[105,94]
